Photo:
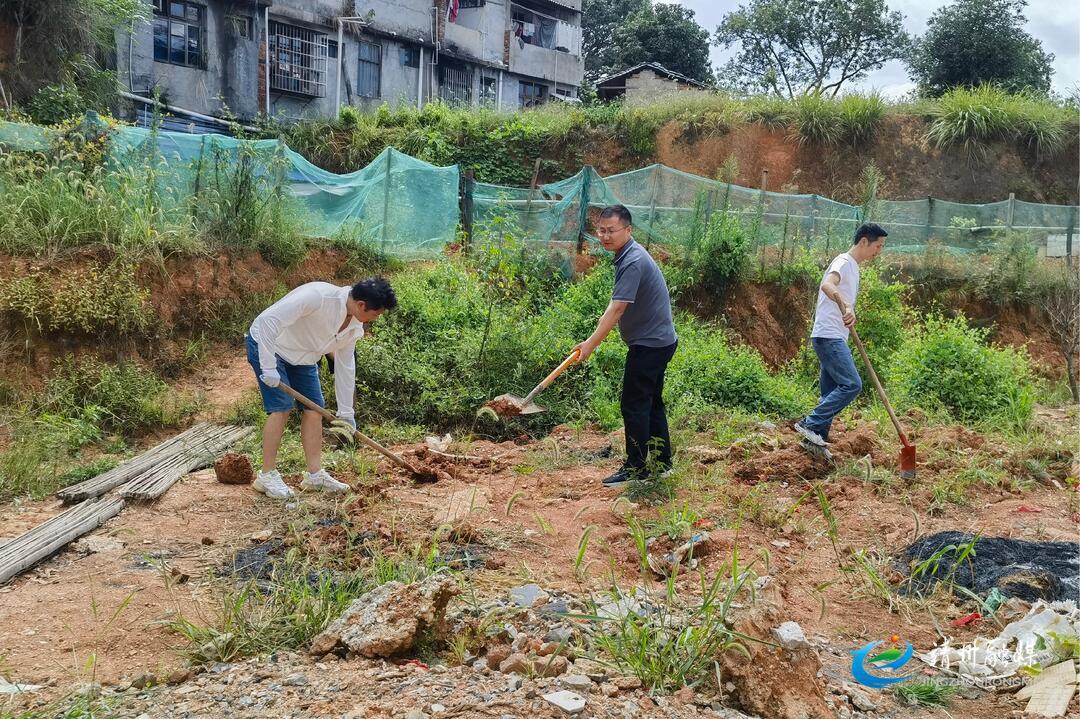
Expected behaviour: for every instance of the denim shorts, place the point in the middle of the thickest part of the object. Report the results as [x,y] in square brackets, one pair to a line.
[304,378]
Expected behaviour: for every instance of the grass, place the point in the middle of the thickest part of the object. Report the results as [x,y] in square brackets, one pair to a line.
[925,694]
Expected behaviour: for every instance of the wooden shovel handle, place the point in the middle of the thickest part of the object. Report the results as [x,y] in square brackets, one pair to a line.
[328,416]
[880,390]
[571,359]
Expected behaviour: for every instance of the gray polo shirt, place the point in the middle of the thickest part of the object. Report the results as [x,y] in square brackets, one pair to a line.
[647,321]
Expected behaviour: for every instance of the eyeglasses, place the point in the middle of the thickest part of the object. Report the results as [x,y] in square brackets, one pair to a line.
[604,231]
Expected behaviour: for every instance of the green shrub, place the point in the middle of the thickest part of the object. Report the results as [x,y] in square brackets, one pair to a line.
[818,121]
[129,397]
[971,118]
[53,104]
[1011,275]
[861,116]
[947,365]
[89,298]
[723,252]
[882,320]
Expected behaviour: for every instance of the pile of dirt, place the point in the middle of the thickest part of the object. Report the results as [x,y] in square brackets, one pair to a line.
[791,463]
[503,407]
[1017,568]
[233,468]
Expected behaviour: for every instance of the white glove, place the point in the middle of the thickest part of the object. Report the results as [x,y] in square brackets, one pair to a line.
[351,421]
[270,378]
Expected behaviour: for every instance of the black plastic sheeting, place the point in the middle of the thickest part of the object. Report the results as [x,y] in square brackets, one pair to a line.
[1018,568]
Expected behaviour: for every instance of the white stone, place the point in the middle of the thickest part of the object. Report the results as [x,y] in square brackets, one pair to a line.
[578,681]
[790,635]
[569,702]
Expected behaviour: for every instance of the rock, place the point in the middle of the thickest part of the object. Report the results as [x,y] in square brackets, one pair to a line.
[437,709]
[514,664]
[591,668]
[528,595]
[389,619]
[630,709]
[179,676]
[684,696]
[547,649]
[580,682]
[97,544]
[295,680]
[608,689]
[480,665]
[513,683]
[89,690]
[520,643]
[790,636]
[261,536]
[207,541]
[415,714]
[559,635]
[323,644]
[496,655]
[859,699]
[552,666]
[554,608]
[627,683]
[144,680]
[233,468]
[620,609]
[569,702]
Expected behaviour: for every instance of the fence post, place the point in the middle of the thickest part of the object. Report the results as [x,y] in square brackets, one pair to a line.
[1069,237]
[583,212]
[653,182]
[761,218]
[929,216]
[386,198]
[467,209]
[1012,209]
[528,203]
[813,217]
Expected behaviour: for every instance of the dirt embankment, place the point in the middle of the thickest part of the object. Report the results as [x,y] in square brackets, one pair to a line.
[912,168]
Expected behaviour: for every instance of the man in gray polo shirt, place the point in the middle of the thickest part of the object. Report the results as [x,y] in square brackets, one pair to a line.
[641,306]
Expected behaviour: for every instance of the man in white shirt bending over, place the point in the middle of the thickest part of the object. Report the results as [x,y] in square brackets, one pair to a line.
[284,346]
[839,381]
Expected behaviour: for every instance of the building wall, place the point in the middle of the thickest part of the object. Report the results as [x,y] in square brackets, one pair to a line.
[234,79]
[646,86]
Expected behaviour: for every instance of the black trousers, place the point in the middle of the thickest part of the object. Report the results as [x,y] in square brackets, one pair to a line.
[642,404]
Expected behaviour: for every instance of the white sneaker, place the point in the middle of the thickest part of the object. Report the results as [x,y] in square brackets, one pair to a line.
[810,434]
[323,482]
[271,484]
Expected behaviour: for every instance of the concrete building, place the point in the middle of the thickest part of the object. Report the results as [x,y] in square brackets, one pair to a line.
[309,58]
[645,83]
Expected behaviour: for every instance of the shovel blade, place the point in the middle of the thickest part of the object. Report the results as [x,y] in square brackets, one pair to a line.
[907,461]
[504,402]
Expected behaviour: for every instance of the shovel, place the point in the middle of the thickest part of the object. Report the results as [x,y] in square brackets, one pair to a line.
[421,476]
[907,450]
[509,405]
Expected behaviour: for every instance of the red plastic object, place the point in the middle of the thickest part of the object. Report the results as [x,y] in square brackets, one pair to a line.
[1026,508]
[964,621]
[415,662]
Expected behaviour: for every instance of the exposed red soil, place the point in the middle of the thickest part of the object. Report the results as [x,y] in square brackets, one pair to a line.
[233,468]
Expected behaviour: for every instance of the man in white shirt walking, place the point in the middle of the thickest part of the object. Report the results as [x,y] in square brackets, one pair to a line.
[284,346]
[839,381]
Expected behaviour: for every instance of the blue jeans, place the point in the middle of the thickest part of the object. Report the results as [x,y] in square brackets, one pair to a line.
[839,382]
[302,378]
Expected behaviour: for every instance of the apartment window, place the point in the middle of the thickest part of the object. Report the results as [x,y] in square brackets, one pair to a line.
[242,26]
[562,92]
[531,94]
[410,56]
[488,92]
[471,3]
[178,32]
[331,49]
[455,83]
[297,60]
[367,79]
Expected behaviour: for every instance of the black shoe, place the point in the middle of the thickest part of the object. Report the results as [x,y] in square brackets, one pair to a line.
[618,479]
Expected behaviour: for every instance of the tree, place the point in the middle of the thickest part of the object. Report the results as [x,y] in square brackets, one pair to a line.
[622,33]
[792,47]
[1059,299]
[979,41]
[60,41]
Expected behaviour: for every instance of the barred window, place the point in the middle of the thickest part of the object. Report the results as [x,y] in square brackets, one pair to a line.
[297,60]
[369,76]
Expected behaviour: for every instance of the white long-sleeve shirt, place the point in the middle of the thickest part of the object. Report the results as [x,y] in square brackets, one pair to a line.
[303,326]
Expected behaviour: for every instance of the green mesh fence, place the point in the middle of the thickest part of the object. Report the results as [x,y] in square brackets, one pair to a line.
[671,207]
[404,206]
[410,208]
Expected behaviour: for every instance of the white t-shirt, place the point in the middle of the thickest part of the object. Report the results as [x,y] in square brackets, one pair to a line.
[828,321]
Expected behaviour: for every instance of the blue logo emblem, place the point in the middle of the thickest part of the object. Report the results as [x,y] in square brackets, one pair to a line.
[891,659]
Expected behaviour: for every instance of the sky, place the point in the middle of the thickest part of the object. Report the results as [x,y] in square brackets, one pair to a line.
[1056,23]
